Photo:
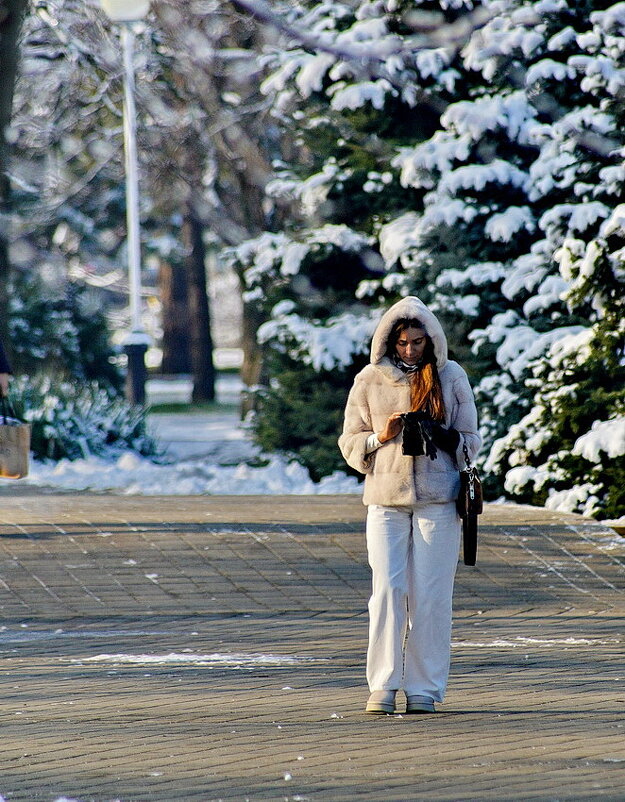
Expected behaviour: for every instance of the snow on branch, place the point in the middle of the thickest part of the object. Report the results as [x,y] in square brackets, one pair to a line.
[452,35]
[605,436]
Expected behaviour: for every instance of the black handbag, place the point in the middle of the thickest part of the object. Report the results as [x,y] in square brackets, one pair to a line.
[469,504]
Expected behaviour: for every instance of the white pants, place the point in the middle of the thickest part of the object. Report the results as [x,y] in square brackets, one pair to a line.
[413,554]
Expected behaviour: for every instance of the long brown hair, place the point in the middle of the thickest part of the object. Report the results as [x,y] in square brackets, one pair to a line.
[426,392]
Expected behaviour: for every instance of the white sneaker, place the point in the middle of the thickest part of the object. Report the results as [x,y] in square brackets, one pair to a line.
[381,702]
[420,704]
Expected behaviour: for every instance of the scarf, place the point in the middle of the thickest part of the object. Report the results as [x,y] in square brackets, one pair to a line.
[408,369]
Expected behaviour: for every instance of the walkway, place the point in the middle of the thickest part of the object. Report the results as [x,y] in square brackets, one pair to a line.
[166,649]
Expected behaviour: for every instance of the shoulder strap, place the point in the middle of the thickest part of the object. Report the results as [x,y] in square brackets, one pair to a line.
[465,451]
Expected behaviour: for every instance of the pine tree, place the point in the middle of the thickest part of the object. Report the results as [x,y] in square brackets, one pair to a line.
[527,161]
[321,283]
[522,166]
[58,327]
[567,450]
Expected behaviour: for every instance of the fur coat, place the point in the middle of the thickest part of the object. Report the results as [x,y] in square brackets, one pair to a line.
[392,479]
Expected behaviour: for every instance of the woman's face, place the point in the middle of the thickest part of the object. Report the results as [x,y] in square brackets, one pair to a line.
[411,345]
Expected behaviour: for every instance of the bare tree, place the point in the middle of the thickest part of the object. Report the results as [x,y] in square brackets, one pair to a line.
[174,295]
[11,16]
[430,30]
[199,313]
[221,155]
[205,140]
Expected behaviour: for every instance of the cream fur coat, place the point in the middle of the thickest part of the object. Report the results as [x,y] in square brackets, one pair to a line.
[393,479]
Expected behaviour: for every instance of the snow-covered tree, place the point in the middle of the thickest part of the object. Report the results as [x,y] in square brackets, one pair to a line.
[566,157]
[320,283]
[523,164]
[509,174]
[67,225]
[568,448]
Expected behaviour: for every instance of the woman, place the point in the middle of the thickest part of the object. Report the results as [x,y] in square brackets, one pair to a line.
[413,530]
[5,372]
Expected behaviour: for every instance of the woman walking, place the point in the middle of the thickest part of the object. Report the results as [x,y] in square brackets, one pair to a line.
[410,464]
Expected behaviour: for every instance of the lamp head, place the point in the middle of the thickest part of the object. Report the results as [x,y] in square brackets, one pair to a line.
[125,10]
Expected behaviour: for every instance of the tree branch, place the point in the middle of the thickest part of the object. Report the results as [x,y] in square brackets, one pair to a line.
[452,35]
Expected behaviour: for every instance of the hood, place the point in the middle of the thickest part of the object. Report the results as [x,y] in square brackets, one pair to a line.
[410,307]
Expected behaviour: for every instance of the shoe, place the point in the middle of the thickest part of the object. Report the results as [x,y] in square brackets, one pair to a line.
[420,704]
[381,702]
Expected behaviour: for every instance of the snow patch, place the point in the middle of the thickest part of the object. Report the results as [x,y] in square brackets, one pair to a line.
[521,641]
[580,498]
[324,345]
[354,96]
[132,475]
[214,660]
[502,227]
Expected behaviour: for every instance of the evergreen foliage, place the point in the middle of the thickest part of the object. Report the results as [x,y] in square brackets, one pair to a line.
[59,328]
[312,281]
[498,207]
[72,421]
[300,412]
[576,427]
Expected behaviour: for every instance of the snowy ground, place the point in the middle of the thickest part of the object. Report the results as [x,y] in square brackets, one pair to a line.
[206,453]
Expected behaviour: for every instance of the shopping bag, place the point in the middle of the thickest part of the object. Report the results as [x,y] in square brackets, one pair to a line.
[14,444]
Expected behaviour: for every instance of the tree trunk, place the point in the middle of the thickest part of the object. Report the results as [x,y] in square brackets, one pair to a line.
[253,372]
[201,339]
[11,16]
[172,282]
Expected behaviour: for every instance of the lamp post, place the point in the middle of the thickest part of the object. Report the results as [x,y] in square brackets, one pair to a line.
[125,12]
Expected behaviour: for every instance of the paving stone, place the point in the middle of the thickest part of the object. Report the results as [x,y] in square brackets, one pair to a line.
[253,613]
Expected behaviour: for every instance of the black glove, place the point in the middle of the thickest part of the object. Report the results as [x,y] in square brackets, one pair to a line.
[427,432]
[446,439]
[417,435]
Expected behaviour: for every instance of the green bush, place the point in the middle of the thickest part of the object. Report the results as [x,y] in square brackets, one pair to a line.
[301,414]
[71,422]
[60,328]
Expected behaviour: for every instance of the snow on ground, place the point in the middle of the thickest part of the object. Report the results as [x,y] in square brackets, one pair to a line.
[207,453]
[519,641]
[235,660]
[132,475]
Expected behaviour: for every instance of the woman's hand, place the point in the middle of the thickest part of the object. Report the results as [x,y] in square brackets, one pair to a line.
[393,427]
[4,384]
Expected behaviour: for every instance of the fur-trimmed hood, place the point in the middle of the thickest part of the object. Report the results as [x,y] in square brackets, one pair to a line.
[409,307]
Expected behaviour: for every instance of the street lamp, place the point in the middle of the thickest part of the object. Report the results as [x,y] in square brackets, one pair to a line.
[125,12]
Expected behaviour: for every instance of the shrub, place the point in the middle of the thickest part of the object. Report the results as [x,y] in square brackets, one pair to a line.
[61,328]
[301,414]
[72,422]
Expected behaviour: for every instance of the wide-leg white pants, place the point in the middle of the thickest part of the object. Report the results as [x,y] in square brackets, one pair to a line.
[413,554]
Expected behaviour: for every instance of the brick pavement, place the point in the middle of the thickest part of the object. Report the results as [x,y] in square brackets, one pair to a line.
[212,648]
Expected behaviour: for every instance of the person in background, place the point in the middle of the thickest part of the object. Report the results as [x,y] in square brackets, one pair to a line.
[413,530]
[5,372]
